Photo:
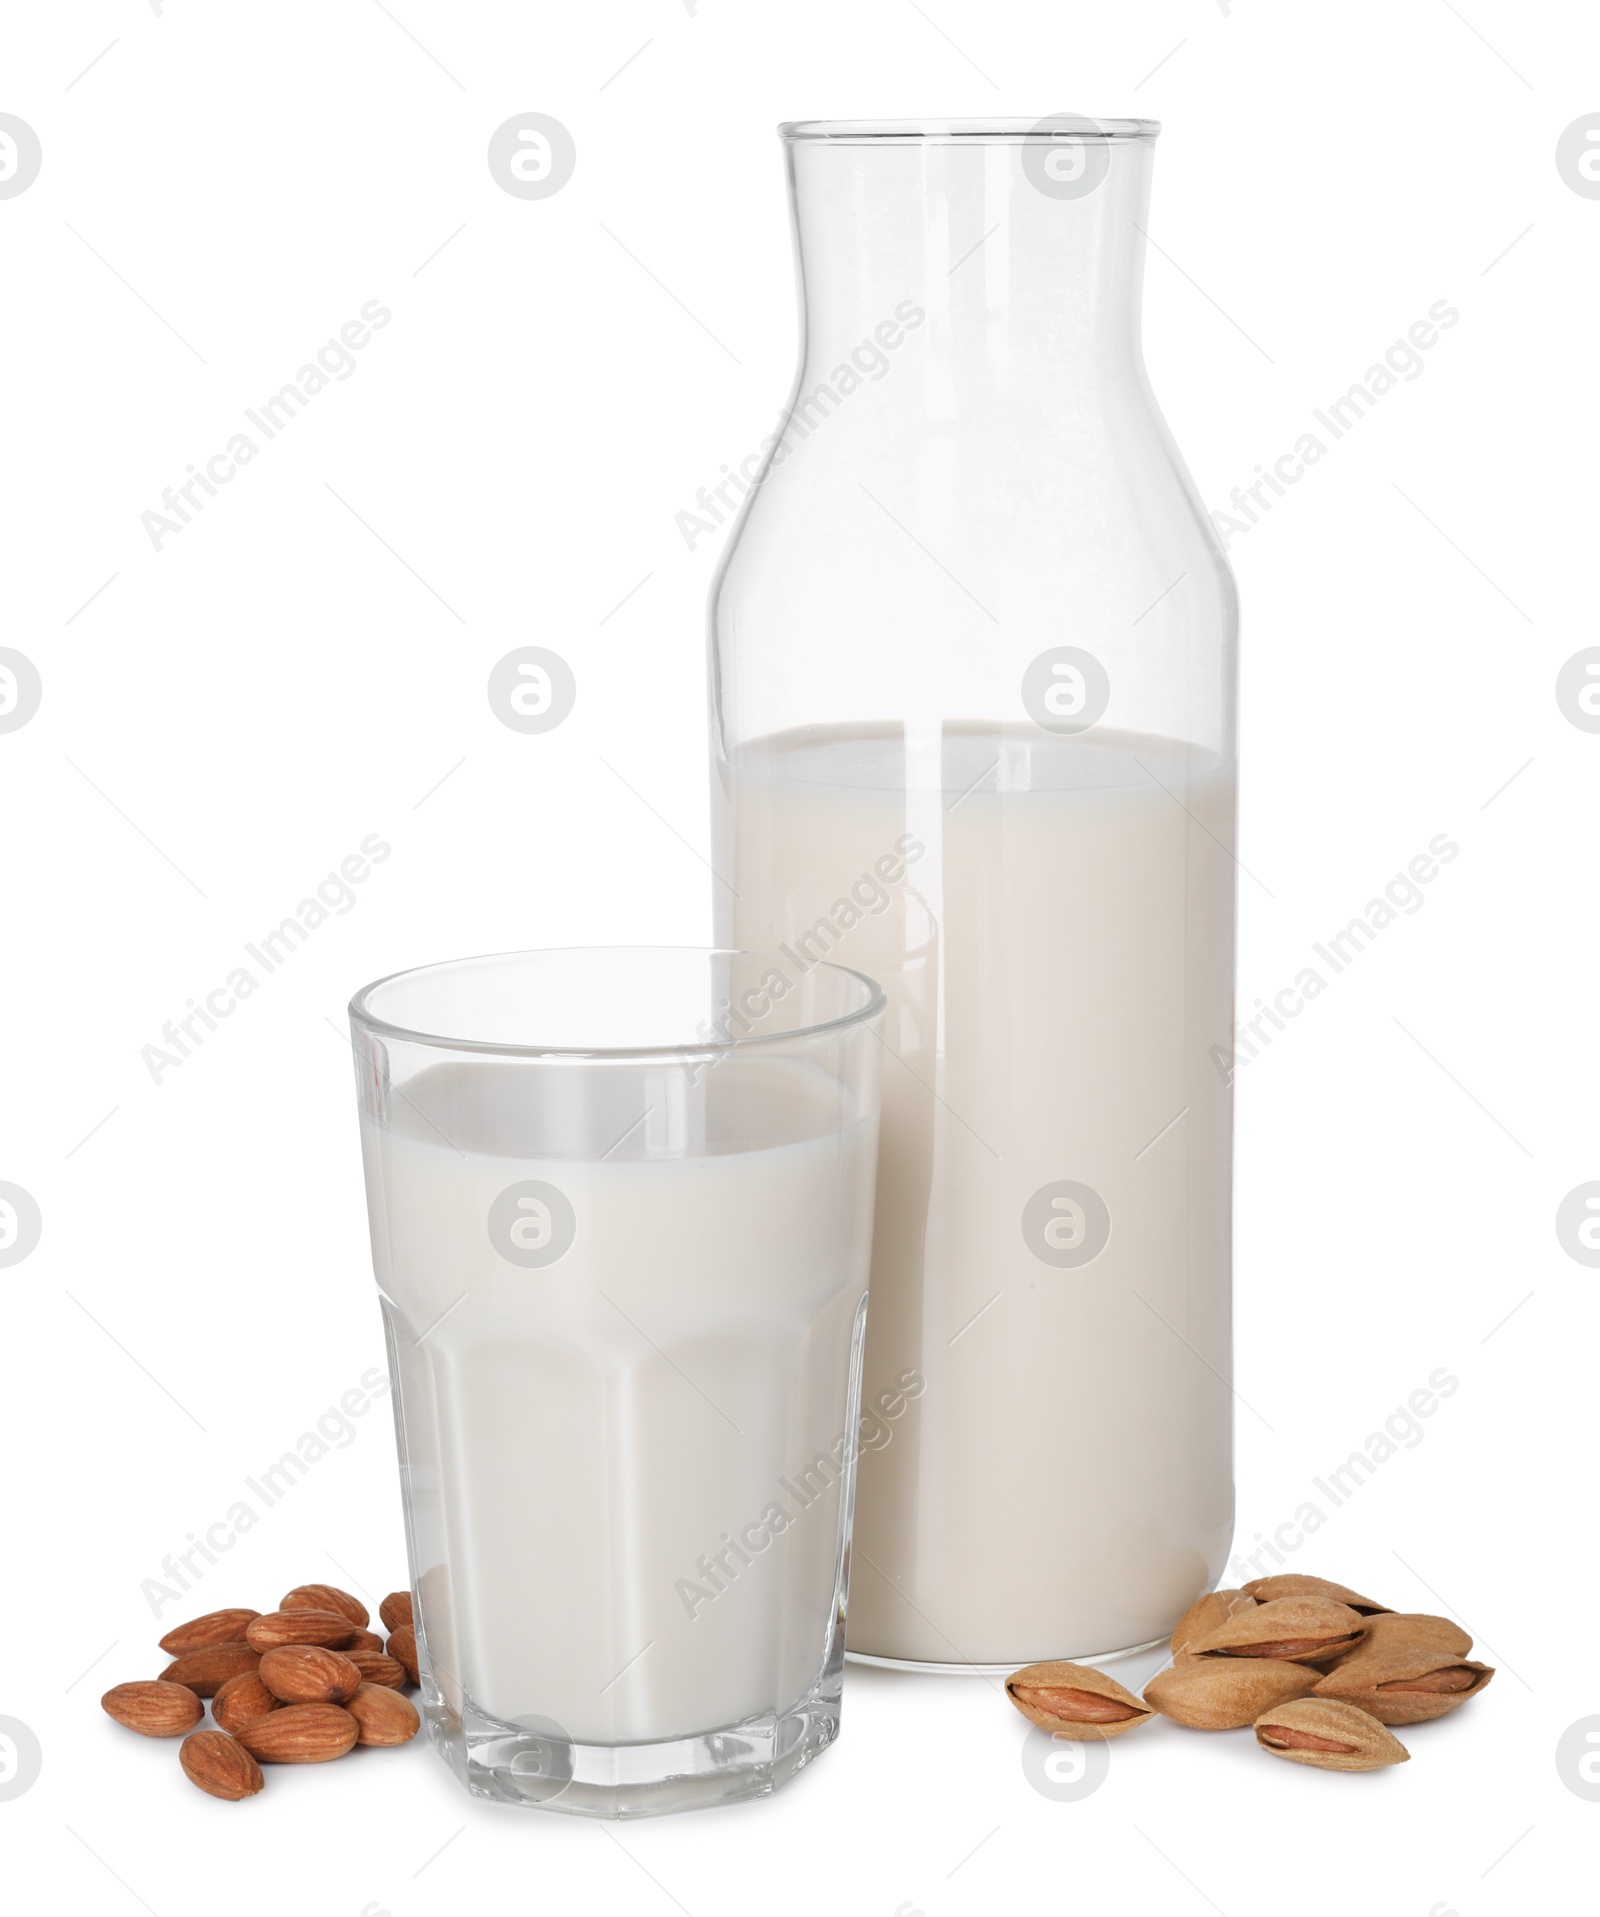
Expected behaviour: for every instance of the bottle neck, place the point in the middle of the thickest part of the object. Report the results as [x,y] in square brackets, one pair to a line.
[1009,267]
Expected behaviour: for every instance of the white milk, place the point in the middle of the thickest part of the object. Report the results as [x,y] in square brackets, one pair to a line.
[586,1438]
[1052,920]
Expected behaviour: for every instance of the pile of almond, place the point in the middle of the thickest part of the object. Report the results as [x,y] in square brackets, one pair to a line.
[1317,1670]
[298,1685]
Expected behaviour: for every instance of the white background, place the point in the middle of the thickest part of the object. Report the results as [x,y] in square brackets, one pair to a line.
[303,665]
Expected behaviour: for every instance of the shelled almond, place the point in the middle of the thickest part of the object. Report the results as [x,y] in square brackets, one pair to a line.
[206,1671]
[377,1667]
[329,1628]
[395,1610]
[403,1645]
[327,1597]
[303,1684]
[384,1716]
[309,1674]
[241,1701]
[220,1766]
[216,1627]
[300,1734]
[154,1708]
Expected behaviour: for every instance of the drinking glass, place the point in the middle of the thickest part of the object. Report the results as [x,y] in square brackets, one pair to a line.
[621,1212]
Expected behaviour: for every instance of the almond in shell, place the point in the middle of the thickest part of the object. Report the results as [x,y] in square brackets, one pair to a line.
[1295,1630]
[1417,1630]
[1329,1735]
[1293,1584]
[1203,1617]
[1074,1700]
[1226,1694]
[1405,1684]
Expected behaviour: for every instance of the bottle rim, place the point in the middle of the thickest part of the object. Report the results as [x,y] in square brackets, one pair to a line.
[998,131]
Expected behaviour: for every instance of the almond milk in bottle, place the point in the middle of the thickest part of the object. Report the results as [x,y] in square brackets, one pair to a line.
[973,677]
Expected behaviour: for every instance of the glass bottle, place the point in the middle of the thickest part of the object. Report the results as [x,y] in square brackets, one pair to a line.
[973,654]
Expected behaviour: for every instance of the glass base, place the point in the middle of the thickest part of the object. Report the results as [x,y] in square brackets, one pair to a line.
[534,1763]
[996,1670]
